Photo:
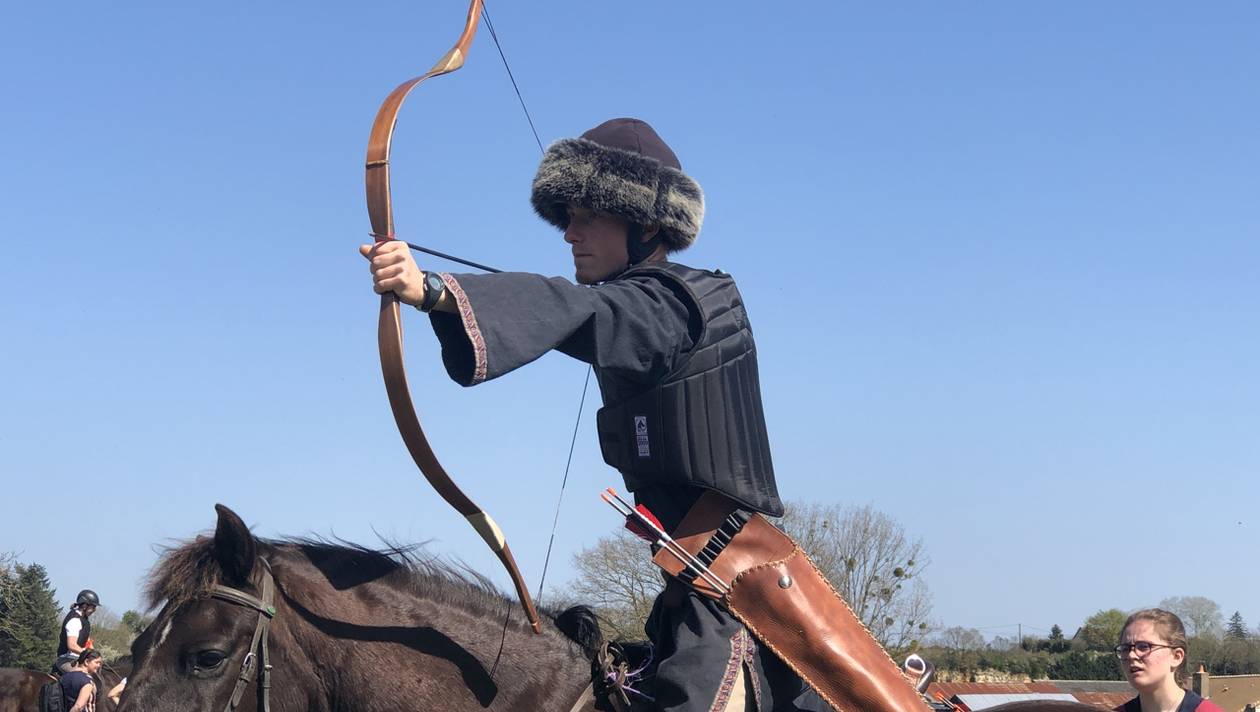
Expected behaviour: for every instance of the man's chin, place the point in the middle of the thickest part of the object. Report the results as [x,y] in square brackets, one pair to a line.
[586,277]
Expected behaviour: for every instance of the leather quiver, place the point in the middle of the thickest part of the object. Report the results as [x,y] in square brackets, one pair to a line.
[791,608]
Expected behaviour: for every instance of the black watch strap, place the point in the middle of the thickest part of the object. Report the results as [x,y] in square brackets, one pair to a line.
[434,287]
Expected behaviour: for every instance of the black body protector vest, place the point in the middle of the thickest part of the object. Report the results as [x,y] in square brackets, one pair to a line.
[703,424]
[84,633]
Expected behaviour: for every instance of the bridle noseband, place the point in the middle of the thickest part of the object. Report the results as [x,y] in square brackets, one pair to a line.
[266,611]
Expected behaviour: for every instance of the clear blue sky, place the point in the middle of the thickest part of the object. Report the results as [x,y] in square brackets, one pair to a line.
[1001,259]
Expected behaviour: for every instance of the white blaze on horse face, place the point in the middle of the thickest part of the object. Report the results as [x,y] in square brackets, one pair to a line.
[166,630]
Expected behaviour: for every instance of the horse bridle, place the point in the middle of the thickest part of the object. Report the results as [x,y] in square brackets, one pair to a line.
[266,611]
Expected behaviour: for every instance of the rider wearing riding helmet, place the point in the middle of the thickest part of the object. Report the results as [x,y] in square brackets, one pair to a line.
[76,630]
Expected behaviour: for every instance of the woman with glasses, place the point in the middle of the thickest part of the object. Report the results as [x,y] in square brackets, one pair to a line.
[1152,653]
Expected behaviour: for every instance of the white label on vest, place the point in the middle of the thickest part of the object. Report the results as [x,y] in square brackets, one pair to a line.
[641,435]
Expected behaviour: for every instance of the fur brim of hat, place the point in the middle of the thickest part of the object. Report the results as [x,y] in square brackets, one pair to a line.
[611,180]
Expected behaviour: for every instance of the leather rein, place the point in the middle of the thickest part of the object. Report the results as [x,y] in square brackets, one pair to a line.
[258,644]
[389,328]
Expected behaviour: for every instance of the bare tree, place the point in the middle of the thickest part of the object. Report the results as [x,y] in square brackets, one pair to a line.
[872,563]
[617,578]
[8,582]
[958,638]
[11,596]
[8,587]
[1201,616]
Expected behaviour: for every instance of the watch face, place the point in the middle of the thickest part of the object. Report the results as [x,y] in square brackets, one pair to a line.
[435,282]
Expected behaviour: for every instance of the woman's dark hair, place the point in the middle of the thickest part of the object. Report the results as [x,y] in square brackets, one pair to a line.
[1169,627]
[87,656]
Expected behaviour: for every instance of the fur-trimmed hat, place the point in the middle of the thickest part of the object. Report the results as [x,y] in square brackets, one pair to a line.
[621,167]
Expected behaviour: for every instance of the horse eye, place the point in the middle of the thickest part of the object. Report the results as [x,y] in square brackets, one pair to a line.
[208,659]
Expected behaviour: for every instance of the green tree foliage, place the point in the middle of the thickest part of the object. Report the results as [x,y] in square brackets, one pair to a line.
[1227,656]
[1017,662]
[28,616]
[112,635]
[1089,656]
[136,621]
[1101,631]
[1236,629]
[1056,643]
[1084,665]
[8,583]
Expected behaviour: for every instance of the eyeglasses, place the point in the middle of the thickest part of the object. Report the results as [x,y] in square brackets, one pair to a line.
[1142,647]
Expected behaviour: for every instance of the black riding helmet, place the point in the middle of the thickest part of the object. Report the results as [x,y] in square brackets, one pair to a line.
[87,597]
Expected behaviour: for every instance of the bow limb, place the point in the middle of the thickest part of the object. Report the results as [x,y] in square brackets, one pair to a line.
[390,332]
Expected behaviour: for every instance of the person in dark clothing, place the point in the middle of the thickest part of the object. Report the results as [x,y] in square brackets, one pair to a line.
[78,685]
[675,360]
[76,630]
[1152,653]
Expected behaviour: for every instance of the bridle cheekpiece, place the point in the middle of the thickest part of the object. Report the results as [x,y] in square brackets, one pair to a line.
[266,609]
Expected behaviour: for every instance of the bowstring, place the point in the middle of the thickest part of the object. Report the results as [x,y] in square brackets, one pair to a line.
[485,15]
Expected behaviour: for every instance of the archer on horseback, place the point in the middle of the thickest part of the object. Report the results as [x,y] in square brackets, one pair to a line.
[682,421]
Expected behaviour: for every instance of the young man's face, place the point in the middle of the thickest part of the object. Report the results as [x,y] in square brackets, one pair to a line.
[598,241]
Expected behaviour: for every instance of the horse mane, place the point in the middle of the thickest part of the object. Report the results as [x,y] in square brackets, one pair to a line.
[182,574]
[189,571]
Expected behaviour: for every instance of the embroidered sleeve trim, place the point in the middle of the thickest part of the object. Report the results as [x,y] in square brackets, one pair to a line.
[471,330]
[743,650]
[750,665]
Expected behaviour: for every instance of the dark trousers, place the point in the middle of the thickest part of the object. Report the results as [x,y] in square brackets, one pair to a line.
[701,649]
[63,663]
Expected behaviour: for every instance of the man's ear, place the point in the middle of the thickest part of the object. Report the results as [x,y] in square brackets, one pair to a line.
[649,232]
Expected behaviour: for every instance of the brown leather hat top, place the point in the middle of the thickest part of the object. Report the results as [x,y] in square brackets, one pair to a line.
[635,136]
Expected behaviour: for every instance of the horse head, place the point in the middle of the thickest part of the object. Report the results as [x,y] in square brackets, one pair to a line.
[202,650]
[337,620]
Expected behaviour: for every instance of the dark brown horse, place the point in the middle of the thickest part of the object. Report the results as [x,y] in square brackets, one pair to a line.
[353,630]
[19,688]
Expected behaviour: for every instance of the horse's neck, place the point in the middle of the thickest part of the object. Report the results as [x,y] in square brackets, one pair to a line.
[401,651]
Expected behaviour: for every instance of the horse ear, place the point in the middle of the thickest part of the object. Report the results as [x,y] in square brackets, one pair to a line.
[234,547]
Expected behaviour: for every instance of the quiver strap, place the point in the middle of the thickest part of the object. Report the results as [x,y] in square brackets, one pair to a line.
[786,602]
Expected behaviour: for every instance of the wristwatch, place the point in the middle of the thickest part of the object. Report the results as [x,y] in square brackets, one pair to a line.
[434,287]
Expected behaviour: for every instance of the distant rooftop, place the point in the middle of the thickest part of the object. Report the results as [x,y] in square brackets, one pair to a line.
[1104,694]
[975,702]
